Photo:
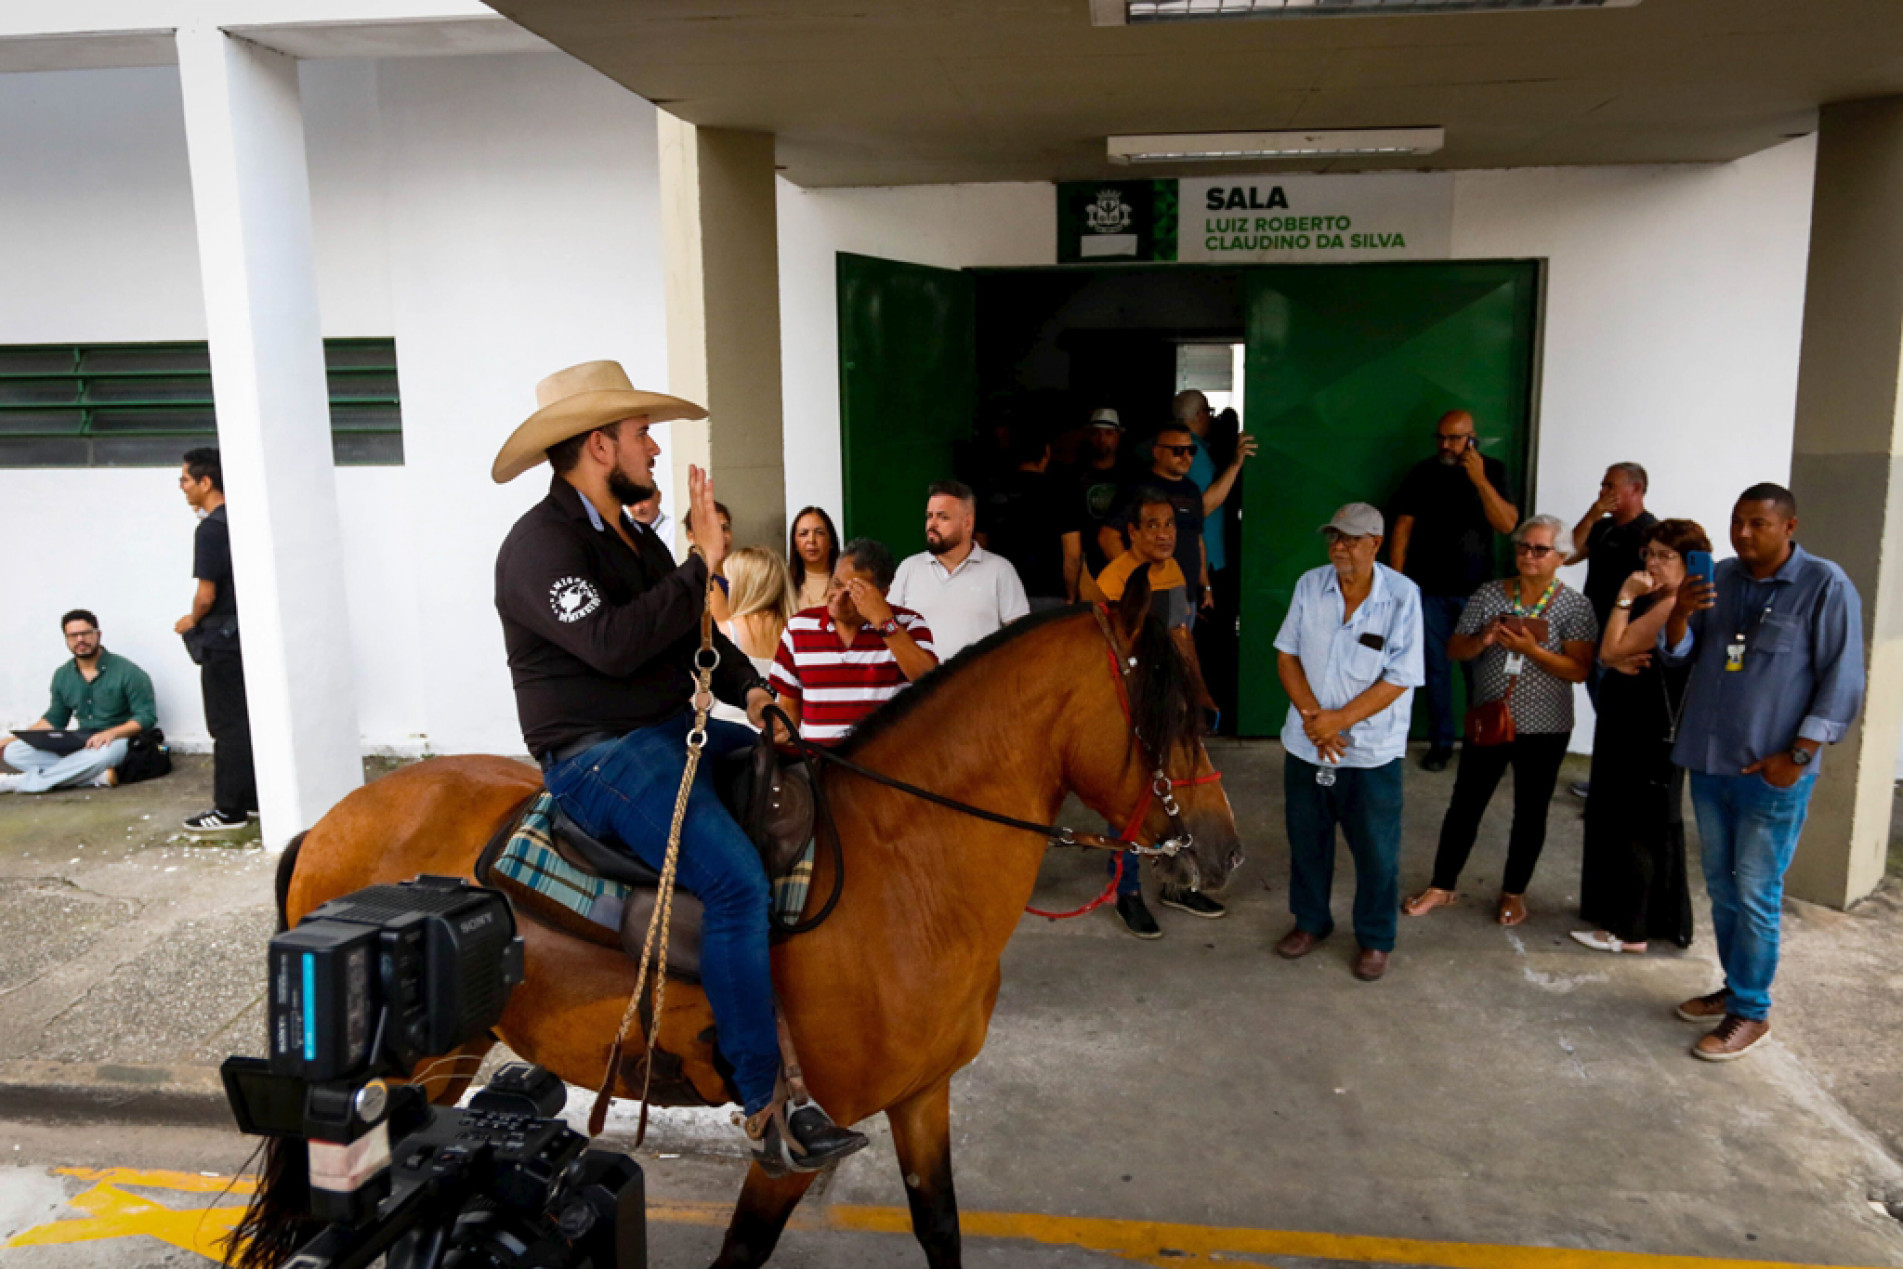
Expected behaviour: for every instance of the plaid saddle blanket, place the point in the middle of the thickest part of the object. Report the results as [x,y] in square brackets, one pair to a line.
[528,868]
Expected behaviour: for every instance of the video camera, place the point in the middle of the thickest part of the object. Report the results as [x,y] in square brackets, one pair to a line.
[368,985]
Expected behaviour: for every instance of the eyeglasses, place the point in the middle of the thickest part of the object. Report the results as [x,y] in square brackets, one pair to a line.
[1181,451]
[1533,549]
[1662,556]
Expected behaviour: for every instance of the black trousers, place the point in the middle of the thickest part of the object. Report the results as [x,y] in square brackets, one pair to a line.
[234,783]
[1535,761]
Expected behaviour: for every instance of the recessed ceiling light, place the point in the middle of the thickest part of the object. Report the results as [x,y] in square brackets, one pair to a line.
[1133,12]
[1230,147]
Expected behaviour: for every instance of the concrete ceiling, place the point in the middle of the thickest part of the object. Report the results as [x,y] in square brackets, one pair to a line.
[902,92]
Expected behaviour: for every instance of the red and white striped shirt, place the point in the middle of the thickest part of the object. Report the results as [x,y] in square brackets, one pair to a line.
[835,686]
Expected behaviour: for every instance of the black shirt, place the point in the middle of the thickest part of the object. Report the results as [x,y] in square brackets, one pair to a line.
[211,562]
[1187,497]
[1024,519]
[1450,551]
[1612,555]
[1093,501]
[601,637]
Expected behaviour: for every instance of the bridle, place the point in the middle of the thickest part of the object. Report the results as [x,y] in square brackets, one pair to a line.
[1161,788]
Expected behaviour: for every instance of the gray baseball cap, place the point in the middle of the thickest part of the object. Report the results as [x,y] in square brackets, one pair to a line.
[1105,418]
[1356,520]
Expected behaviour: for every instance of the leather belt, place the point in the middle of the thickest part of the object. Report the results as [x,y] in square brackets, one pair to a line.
[562,753]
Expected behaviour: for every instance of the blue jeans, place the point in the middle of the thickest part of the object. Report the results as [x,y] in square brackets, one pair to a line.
[1749,831]
[1366,804]
[44,771]
[1130,880]
[625,789]
[1439,615]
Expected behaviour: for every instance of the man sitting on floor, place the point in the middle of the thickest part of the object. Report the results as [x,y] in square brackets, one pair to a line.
[112,699]
[837,664]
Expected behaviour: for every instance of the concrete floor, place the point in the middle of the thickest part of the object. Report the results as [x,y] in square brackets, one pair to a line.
[1498,1087]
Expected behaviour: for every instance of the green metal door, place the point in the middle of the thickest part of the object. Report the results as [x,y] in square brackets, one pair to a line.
[1348,369]
[907,375]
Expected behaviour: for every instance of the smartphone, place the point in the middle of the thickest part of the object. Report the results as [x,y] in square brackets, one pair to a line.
[1698,567]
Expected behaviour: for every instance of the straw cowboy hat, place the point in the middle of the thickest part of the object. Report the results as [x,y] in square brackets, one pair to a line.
[581,399]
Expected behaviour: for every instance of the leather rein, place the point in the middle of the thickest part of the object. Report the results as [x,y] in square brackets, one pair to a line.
[1161,789]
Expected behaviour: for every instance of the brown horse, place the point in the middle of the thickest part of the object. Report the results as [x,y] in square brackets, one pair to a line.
[893,993]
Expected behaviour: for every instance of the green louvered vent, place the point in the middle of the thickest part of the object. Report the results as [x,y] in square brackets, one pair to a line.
[142,405]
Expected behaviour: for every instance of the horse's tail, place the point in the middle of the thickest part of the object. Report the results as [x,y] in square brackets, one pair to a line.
[287,864]
[277,1221]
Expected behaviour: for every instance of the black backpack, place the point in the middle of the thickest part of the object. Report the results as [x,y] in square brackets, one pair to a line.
[147,757]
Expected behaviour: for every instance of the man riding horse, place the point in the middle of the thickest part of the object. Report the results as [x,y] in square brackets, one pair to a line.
[602,629]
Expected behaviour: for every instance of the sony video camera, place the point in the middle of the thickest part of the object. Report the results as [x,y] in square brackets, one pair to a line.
[367,986]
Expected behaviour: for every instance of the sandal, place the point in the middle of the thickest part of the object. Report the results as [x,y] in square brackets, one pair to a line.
[1605,941]
[1512,909]
[1429,899]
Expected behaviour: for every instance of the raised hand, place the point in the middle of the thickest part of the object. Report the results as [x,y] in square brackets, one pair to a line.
[700,499]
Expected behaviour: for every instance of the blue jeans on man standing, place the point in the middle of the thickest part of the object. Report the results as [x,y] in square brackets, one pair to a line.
[626,789]
[1439,615]
[1748,829]
[1366,804]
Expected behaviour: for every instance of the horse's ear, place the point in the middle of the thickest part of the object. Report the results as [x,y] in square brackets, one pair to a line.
[1134,606]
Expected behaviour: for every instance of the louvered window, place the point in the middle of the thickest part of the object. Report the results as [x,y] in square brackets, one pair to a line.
[143,405]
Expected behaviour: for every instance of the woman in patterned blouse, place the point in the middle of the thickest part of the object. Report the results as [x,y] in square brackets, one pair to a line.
[1533,635]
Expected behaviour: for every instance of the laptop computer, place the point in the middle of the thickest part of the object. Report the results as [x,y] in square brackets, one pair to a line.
[56,742]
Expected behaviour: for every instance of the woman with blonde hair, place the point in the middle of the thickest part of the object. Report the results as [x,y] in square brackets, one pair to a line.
[760,598]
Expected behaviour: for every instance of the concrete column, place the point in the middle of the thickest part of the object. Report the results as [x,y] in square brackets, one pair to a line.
[720,230]
[244,131]
[1847,471]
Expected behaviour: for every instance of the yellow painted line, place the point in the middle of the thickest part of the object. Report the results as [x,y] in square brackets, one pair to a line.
[1170,1246]
[112,1212]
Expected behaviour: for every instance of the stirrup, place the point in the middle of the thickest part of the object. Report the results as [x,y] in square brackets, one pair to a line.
[797,1135]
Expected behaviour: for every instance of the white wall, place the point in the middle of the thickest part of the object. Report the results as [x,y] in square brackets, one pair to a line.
[498,216]
[952,226]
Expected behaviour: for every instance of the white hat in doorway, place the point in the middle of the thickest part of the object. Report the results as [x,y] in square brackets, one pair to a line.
[581,399]
[1105,418]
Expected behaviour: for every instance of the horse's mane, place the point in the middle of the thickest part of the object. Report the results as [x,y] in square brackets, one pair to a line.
[1159,689]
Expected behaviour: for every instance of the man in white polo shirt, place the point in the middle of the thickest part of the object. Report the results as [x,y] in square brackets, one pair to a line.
[963,591]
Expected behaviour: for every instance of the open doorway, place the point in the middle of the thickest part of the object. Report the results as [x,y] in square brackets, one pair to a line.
[1343,371]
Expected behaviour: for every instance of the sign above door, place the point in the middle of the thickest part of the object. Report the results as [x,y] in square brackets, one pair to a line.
[1292,219]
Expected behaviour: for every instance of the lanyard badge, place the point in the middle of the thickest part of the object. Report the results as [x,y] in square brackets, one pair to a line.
[1734,654]
[1515,663]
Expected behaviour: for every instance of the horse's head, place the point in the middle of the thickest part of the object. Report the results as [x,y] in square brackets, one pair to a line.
[1164,779]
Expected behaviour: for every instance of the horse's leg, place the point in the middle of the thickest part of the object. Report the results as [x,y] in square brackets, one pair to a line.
[921,1133]
[765,1204]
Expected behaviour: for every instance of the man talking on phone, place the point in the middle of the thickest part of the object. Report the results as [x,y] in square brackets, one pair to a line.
[1776,644]
[1446,514]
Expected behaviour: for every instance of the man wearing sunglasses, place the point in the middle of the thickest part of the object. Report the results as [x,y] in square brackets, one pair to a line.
[1172,450]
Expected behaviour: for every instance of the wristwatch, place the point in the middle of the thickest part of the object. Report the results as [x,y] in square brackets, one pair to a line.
[1622,603]
[888,627]
[1801,756]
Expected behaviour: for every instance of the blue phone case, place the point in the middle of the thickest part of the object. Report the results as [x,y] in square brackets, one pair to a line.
[1698,566]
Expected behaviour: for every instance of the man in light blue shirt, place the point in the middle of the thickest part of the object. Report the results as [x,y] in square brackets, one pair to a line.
[1349,656]
[1777,673]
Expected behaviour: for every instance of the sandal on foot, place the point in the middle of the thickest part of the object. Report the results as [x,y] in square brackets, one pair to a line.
[1512,909]
[1605,941]
[1429,899]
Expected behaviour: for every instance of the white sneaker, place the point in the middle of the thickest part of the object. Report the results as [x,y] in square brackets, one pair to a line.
[1602,941]
[9,782]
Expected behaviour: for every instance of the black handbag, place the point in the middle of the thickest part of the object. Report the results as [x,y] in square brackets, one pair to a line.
[147,757]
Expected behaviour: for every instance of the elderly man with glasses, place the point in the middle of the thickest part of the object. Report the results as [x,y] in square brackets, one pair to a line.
[1349,657]
[109,696]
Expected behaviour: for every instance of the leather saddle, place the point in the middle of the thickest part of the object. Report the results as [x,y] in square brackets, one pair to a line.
[771,800]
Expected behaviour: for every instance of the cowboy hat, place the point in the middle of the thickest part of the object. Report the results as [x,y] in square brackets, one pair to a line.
[581,399]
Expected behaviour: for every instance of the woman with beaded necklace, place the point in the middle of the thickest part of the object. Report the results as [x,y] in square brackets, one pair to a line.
[1530,637]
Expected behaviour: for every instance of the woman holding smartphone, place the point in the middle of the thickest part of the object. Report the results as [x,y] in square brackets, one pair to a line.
[1633,886]
[1530,637]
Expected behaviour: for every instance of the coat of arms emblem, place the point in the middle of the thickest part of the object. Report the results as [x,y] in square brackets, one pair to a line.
[1109,214]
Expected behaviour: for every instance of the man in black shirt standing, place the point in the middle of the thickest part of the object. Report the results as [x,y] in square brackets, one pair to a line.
[1094,501]
[1023,519]
[211,627]
[602,629]
[1445,517]
[1609,538]
[1170,451]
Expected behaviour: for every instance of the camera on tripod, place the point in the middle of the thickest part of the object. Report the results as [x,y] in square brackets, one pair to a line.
[367,986]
